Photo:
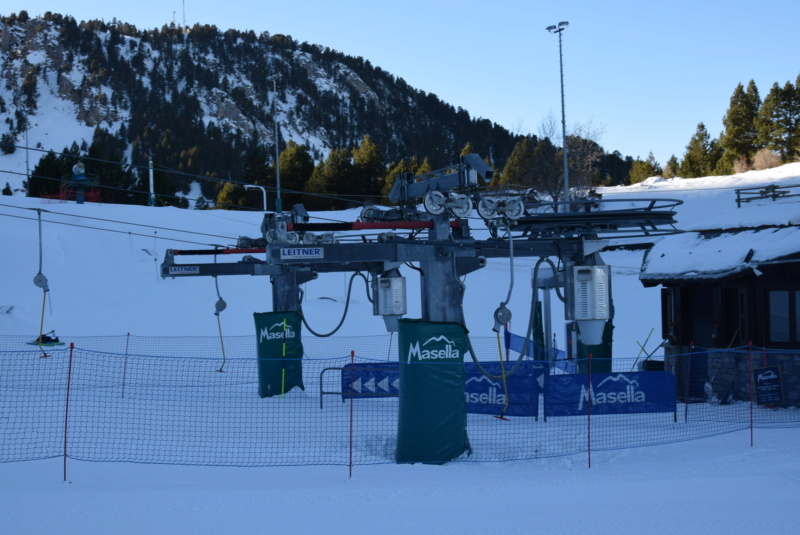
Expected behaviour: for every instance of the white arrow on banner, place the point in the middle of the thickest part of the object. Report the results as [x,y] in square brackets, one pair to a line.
[384,385]
[396,384]
[370,385]
[357,385]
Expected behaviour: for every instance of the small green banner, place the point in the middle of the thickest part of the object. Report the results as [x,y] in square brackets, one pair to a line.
[280,352]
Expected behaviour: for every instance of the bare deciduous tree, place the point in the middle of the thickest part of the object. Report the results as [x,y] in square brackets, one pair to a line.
[765,159]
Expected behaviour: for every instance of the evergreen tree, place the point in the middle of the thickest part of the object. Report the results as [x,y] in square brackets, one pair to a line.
[8,143]
[330,178]
[256,171]
[109,164]
[46,177]
[7,189]
[739,140]
[519,168]
[230,197]
[779,121]
[423,168]
[616,168]
[701,155]
[368,169]
[296,166]
[642,170]
[672,167]
[201,203]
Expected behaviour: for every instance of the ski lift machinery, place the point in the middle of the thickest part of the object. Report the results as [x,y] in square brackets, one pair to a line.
[431,226]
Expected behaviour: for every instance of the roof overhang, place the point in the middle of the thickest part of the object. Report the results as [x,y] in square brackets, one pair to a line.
[717,255]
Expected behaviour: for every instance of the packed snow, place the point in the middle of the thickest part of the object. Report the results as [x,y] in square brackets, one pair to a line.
[102,265]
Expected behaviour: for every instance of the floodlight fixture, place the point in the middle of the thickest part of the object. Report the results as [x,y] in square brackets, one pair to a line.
[563,24]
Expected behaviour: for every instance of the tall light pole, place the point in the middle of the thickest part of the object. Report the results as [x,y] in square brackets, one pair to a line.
[278,207]
[559,29]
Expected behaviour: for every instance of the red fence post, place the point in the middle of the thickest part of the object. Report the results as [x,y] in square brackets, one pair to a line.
[66,407]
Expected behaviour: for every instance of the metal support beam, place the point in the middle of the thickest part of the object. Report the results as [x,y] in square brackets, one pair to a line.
[440,288]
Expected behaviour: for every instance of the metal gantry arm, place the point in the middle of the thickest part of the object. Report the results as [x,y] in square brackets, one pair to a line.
[293,251]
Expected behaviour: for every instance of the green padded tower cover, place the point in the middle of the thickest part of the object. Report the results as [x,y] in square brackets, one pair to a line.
[432,419]
[280,352]
[601,353]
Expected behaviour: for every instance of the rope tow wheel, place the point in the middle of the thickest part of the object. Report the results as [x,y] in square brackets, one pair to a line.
[498,207]
[436,203]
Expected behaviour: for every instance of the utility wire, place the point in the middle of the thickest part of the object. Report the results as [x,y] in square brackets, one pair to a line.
[109,230]
[124,222]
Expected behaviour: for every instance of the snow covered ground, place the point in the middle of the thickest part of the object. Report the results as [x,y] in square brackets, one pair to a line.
[103,280]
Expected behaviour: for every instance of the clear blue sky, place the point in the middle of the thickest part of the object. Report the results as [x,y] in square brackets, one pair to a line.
[645,73]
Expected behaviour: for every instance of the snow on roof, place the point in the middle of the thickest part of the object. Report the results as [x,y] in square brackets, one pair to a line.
[695,255]
[717,235]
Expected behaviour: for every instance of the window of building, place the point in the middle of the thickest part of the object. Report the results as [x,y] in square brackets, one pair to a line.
[784,316]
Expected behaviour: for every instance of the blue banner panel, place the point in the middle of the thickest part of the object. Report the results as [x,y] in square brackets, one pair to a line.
[487,396]
[378,379]
[610,393]
[482,394]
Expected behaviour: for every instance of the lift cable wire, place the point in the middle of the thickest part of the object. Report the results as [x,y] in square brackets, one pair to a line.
[127,233]
[124,222]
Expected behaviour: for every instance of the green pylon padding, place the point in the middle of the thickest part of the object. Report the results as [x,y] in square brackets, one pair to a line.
[432,418]
[280,352]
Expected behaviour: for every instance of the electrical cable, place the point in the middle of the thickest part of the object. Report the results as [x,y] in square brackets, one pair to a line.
[346,306]
[124,222]
[511,262]
[110,230]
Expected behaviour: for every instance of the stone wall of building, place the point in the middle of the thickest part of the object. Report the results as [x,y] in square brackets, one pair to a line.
[723,375]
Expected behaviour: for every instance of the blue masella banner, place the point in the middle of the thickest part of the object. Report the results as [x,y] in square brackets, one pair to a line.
[610,393]
[486,395]
[483,395]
